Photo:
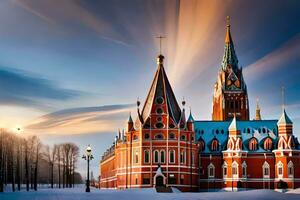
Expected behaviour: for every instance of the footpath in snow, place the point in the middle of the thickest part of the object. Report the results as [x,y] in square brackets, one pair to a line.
[143,194]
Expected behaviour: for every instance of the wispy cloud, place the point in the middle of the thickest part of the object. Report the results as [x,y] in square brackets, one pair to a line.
[65,13]
[21,88]
[276,59]
[82,120]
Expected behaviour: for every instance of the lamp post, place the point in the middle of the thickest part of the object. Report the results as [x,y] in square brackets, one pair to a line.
[88,156]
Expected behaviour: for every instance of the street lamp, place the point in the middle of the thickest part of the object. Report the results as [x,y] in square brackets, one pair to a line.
[88,156]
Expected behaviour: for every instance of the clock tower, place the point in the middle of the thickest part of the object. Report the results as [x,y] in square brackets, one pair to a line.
[230,90]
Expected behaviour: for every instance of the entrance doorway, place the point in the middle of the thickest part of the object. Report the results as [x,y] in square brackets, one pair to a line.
[159,181]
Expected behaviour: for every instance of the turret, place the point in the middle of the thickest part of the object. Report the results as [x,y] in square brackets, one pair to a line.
[285,124]
[190,122]
[130,126]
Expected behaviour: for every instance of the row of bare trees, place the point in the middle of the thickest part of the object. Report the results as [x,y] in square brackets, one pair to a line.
[28,162]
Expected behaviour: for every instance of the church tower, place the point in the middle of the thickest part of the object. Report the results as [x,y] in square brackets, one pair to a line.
[230,91]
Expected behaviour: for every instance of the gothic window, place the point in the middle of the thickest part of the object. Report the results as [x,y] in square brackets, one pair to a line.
[290,169]
[182,157]
[211,170]
[159,136]
[156,156]
[215,145]
[230,145]
[146,156]
[172,156]
[234,169]
[162,156]
[280,169]
[244,169]
[171,136]
[136,156]
[266,170]
[201,145]
[268,144]
[253,144]
[147,136]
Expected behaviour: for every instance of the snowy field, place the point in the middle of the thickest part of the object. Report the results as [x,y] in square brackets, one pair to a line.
[144,194]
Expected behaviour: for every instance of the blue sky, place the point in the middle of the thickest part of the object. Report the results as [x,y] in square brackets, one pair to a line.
[88,61]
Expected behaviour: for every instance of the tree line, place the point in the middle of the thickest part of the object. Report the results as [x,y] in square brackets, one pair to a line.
[27,162]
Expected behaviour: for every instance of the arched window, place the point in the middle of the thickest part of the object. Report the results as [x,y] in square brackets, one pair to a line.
[290,169]
[235,172]
[264,130]
[217,131]
[146,156]
[159,136]
[215,145]
[172,156]
[183,138]
[280,169]
[147,136]
[222,131]
[259,130]
[224,166]
[253,144]
[171,136]
[136,156]
[266,170]
[211,170]
[268,144]
[202,131]
[162,156]
[182,157]
[156,156]
[248,130]
[201,145]
[244,169]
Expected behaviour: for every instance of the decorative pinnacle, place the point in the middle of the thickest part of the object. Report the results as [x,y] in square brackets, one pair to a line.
[228,21]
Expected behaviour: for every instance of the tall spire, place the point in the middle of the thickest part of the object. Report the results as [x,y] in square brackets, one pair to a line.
[257,111]
[229,58]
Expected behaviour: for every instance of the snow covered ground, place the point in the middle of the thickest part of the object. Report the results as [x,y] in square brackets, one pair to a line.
[143,194]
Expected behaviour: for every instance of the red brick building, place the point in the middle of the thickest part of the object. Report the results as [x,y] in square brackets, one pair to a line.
[231,152]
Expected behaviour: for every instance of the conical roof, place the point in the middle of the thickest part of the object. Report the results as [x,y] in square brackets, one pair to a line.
[284,119]
[161,89]
[191,118]
[233,125]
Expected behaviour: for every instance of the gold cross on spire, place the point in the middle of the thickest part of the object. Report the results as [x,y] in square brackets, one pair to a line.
[160,41]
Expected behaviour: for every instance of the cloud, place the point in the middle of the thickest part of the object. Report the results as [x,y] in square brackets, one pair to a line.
[82,120]
[66,14]
[276,59]
[21,88]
